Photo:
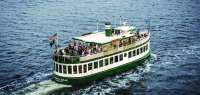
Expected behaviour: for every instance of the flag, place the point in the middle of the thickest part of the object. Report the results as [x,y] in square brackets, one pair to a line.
[53,37]
[52,42]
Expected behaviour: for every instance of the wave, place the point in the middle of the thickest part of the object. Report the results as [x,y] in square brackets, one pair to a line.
[42,88]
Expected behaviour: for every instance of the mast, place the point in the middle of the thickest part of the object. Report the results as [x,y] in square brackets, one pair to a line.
[97,25]
[148,26]
[120,20]
[57,43]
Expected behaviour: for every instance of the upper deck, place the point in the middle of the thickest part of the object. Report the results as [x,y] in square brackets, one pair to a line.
[117,43]
[94,45]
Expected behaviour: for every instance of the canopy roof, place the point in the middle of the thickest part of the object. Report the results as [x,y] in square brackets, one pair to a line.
[100,38]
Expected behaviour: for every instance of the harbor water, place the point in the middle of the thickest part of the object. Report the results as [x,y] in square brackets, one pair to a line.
[26,63]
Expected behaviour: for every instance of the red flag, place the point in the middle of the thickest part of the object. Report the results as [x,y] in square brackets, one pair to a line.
[53,37]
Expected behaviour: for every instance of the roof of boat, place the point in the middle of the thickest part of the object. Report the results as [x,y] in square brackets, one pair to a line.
[100,38]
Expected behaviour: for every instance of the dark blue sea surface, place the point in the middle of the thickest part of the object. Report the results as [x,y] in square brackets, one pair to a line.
[26,63]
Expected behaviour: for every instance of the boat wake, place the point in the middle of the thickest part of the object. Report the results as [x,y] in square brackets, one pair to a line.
[42,88]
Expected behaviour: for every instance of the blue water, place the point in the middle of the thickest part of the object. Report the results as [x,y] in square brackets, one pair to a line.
[26,57]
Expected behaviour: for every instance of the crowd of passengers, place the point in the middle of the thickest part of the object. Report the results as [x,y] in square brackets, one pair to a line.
[85,50]
[80,49]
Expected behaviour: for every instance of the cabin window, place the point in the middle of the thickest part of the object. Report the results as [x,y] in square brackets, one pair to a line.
[129,54]
[147,47]
[138,52]
[133,53]
[125,54]
[64,69]
[56,67]
[60,68]
[85,68]
[141,50]
[101,63]
[106,62]
[69,69]
[111,60]
[89,66]
[95,65]
[144,48]
[116,58]
[80,69]
[75,69]
[121,57]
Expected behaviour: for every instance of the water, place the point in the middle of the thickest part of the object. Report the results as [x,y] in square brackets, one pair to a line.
[26,58]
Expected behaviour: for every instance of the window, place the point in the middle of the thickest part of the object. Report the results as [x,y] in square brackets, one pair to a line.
[80,69]
[138,52]
[75,69]
[69,69]
[121,57]
[106,62]
[147,47]
[89,66]
[125,54]
[85,68]
[141,50]
[144,48]
[95,65]
[60,68]
[64,69]
[133,53]
[101,63]
[56,67]
[116,58]
[129,54]
[111,60]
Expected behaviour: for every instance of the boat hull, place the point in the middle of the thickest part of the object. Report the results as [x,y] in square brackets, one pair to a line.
[100,75]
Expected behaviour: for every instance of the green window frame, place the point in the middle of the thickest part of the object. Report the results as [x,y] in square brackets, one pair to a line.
[69,69]
[134,53]
[106,62]
[129,54]
[116,58]
[75,69]
[95,65]
[120,57]
[89,66]
[111,60]
[64,69]
[101,63]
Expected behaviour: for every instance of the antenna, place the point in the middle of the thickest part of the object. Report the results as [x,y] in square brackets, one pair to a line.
[120,20]
[97,25]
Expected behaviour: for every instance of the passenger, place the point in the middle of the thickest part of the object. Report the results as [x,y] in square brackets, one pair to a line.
[145,35]
[89,50]
[74,43]
[94,49]
[67,50]
[99,48]
[142,36]
[120,43]
[70,47]
[83,52]
[138,35]
[63,52]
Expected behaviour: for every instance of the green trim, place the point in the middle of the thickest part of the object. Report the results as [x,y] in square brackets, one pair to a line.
[93,77]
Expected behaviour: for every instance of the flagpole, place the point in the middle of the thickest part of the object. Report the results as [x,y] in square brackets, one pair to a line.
[57,42]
